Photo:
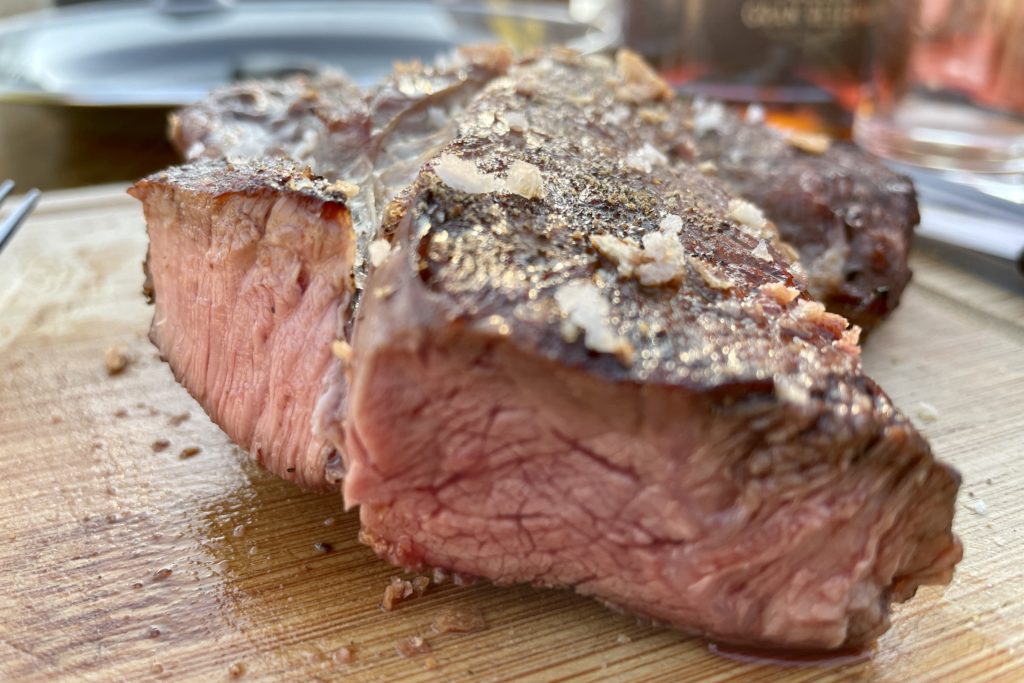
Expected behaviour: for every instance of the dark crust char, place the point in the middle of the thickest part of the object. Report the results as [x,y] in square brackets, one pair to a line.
[505,255]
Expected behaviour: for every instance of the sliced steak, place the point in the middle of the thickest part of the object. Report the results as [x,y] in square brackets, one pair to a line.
[571,371]
[250,265]
[579,362]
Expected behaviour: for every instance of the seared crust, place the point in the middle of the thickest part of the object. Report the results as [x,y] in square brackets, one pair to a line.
[244,176]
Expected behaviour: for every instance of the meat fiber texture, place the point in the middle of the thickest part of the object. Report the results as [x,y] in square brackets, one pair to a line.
[250,267]
[579,361]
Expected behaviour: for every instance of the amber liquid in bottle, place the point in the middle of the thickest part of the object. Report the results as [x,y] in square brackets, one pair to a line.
[804,61]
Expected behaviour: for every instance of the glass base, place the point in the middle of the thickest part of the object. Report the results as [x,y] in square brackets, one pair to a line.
[931,132]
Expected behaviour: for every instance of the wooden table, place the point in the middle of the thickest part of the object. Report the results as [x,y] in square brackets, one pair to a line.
[122,563]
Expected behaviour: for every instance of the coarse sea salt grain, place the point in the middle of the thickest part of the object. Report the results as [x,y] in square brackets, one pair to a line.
[525,180]
[379,250]
[463,175]
[586,309]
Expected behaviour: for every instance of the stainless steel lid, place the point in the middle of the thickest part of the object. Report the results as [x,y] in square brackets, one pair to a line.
[171,52]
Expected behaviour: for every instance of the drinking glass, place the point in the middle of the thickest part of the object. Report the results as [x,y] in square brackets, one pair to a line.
[946,87]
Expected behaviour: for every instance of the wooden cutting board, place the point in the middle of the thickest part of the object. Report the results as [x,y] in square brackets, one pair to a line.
[118,562]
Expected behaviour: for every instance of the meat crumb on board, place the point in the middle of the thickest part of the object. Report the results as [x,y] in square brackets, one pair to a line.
[927,412]
[400,590]
[176,420]
[116,359]
[410,646]
[189,451]
[160,445]
[458,620]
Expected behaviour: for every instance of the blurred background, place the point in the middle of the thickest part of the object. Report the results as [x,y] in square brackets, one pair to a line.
[85,87]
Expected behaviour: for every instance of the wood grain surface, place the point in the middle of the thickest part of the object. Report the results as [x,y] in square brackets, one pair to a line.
[121,562]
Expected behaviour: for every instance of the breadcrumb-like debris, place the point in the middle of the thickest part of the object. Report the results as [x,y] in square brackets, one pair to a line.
[342,350]
[748,216]
[665,259]
[927,412]
[640,82]
[624,253]
[849,341]
[815,313]
[652,114]
[708,167]
[812,143]
[586,310]
[783,294]
[761,251]
[348,189]
[400,590]
[791,391]
[463,175]
[522,178]
[710,277]
[525,180]
[116,359]
[179,419]
[645,159]
[661,261]
[458,620]
[708,116]
[378,251]
[410,646]
[516,121]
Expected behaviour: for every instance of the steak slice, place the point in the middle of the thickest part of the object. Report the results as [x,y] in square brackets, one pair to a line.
[575,368]
[250,265]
